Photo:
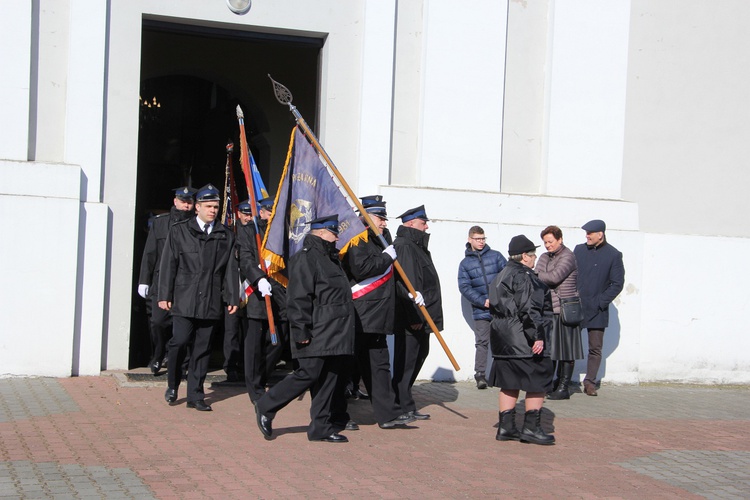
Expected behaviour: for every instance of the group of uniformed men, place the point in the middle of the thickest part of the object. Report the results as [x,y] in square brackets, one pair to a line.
[332,309]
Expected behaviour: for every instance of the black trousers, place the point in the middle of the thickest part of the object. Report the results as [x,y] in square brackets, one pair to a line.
[160,322]
[185,330]
[328,406]
[234,326]
[410,351]
[260,355]
[373,358]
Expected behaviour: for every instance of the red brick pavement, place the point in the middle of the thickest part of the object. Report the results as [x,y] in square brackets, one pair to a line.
[181,453]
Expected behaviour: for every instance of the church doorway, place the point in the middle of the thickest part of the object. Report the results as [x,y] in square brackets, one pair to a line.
[192,79]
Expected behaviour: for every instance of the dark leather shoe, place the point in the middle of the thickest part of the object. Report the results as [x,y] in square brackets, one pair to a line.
[264,423]
[400,420]
[170,396]
[419,416]
[155,366]
[335,438]
[351,425]
[481,381]
[359,394]
[199,405]
[589,389]
[233,376]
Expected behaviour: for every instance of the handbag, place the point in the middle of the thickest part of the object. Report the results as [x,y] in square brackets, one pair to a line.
[571,311]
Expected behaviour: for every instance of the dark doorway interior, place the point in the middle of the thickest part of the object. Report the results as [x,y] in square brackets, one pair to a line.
[192,79]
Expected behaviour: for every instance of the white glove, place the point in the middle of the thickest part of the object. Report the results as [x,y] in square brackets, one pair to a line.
[419,300]
[390,251]
[264,287]
[143,290]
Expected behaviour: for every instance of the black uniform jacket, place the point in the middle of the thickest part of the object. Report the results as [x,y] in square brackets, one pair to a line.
[521,307]
[199,272]
[601,277]
[157,235]
[319,302]
[376,309]
[247,248]
[415,259]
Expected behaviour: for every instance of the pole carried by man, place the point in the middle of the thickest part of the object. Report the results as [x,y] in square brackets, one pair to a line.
[284,96]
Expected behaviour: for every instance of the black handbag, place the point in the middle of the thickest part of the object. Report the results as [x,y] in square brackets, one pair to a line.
[571,311]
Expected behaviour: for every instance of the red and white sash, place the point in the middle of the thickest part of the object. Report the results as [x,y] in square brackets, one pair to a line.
[366,286]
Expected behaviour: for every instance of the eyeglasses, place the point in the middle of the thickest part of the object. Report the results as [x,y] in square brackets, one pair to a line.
[479,239]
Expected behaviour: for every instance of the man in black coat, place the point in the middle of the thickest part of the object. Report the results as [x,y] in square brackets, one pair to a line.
[148,279]
[370,270]
[321,324]
[198,275]
[601,277]
[260,359]
[412,339]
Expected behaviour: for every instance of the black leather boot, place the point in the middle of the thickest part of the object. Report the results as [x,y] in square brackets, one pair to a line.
[506,429]
[532,429]
[563,389]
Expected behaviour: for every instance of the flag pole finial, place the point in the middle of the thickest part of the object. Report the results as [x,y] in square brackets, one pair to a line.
[283,95]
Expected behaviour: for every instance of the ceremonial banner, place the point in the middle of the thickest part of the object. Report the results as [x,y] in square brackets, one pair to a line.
[306,191]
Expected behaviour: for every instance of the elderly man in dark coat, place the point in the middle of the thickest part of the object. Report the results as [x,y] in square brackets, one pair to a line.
[370,269]
[412,338]
[199,274]
[321,322]
[601,277]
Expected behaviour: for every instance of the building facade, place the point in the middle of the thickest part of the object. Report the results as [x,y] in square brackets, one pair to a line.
[508,114]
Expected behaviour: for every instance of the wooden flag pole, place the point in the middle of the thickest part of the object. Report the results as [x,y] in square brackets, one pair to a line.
[285,97]
[245,158]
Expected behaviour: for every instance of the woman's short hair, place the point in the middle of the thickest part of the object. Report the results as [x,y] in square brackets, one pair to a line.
[555,231]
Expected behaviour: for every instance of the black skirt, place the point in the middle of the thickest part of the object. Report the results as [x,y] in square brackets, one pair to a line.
[527,374]
[564,341]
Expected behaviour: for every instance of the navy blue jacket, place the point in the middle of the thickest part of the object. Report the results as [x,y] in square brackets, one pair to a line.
[475,274]
[601,276]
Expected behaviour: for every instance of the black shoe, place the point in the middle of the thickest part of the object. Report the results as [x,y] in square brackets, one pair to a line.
[170,396]
[532,431]
[400,420]
[232,376]
[264,423]
[335,438]
[155,366]
[359,394]
[199,405]
[419,416]
[351,425]
[481,381]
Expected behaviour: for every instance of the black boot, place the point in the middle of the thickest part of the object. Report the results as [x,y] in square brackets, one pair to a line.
[532,429]
[506,429]
[563,389]
[558,375]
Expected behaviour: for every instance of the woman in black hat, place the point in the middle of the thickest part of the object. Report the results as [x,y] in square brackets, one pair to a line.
[521,308]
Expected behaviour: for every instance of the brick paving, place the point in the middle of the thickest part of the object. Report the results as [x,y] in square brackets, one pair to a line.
[115,437]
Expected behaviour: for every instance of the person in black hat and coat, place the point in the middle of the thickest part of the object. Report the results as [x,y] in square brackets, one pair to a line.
[601,277]
[321,322]
[412,339]
[521,307]
[148,280]
[369,266]
[198,275]
[260,357]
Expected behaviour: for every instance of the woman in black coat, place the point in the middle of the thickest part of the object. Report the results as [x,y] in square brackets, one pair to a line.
[521,309]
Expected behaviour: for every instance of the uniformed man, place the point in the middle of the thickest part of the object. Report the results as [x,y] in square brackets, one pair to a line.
[148,281]
[235,324]
[369,266]
[321,322]
[259,358]
[412,339]
[198,274]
